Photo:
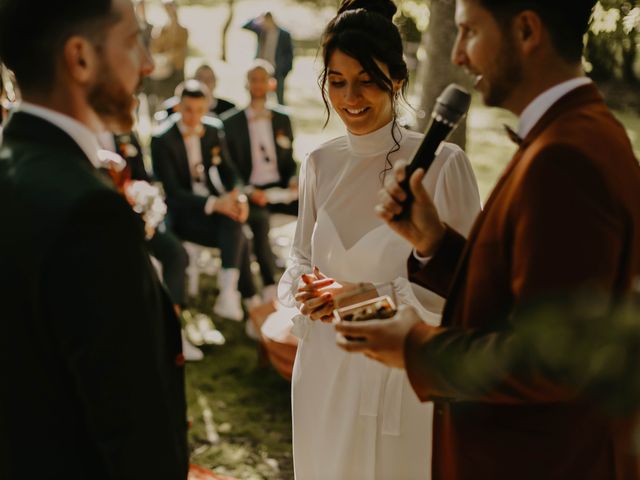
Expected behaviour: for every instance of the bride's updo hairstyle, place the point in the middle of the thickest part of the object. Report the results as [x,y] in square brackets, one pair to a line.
[364,30]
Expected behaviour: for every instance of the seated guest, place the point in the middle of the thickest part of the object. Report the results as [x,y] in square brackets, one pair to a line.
[205,207]
[218,106]
[163,244]
[260,143]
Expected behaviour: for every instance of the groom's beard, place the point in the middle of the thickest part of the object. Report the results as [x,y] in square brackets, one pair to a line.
[112,102]
[505,76]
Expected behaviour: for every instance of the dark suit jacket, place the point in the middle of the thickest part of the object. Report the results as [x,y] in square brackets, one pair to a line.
[237,128]
[171,165]
[284,48]
[222,105]
[128,146]
[564,216]
[90,341]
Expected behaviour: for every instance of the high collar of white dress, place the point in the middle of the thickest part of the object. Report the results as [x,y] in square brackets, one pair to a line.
[375,142]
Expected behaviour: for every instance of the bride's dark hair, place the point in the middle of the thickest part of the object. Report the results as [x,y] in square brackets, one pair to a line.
[364,30]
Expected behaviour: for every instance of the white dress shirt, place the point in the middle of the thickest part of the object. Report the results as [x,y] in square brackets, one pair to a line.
[106,141]
[269,45]
[79,132]
[264,160]
[193,147]
[543,102]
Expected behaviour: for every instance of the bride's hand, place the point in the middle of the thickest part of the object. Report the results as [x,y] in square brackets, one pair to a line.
[318,293]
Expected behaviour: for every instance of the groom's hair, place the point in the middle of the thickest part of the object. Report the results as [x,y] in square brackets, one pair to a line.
[33,34]
[565,20]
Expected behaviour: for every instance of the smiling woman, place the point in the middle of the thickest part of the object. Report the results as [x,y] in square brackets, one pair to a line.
[352,417]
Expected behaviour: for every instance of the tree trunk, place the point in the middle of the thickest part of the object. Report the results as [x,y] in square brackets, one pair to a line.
[225,28]
[437,71]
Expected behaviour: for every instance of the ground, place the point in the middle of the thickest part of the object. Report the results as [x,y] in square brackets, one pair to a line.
[240,411]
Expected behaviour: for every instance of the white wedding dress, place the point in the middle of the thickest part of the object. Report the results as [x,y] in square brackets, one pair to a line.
[354,418]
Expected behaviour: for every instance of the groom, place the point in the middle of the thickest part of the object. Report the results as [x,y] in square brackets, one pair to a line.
[90,359]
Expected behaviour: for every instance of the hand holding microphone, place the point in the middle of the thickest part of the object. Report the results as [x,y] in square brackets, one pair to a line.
[404,203]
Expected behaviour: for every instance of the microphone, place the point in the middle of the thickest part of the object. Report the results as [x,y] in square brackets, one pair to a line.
[452,104]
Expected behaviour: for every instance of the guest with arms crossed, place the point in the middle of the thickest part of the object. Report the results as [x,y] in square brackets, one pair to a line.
[260,143]
[563,217]
[205,207]
[352,417]
[100,371]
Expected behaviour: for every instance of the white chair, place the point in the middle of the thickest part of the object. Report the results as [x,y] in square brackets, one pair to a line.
[201,260]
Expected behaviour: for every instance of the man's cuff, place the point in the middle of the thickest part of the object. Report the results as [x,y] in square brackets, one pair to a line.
[210,206]
[421,260]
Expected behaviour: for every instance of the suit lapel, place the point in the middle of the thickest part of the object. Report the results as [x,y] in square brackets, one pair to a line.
[281,153]
[244,141]
[182,159]
[575,98]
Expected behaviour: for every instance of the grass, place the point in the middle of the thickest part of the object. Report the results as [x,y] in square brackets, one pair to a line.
[240,412]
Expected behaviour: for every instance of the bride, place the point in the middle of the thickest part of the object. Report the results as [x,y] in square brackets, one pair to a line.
[354,418]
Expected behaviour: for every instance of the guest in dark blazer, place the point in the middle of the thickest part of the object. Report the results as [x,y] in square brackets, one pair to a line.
[90,357]
[163,245]
[191,159]
[274,46]
[562,219]
[217,106]
[260,142]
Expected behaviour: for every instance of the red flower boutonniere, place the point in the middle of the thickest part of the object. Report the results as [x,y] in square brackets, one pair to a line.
[216,159]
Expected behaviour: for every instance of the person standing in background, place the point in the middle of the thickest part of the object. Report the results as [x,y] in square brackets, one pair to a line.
[169,45]
[274,46]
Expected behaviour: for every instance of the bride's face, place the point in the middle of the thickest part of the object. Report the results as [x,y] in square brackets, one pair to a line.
[361,104]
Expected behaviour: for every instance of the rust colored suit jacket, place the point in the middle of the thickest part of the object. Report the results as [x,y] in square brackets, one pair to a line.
[565,215]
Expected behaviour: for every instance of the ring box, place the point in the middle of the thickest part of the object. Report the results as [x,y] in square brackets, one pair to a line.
[377,308]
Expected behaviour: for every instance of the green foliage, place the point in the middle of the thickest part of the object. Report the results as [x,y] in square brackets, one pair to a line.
[613,41]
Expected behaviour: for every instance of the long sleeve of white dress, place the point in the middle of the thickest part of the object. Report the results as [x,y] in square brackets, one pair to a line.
[300,255]
[457,199]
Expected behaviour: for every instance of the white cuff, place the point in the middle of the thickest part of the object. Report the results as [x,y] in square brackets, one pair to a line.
[210,206]
[423,260]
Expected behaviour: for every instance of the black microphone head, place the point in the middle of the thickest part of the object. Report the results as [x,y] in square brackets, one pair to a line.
[452,105]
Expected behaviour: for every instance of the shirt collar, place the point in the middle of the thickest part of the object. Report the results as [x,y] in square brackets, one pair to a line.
[543,102]
[190,132]
[253,114]
[80,133]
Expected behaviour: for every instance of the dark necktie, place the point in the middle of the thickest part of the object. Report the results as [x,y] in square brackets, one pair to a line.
[264,153]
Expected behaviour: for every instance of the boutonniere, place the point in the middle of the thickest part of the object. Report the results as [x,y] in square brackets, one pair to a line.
[216,159]
[128,150]
[283,140]
[148,202]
